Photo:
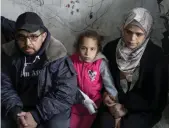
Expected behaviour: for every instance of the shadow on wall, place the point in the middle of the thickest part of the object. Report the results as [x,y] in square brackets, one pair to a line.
[164,10]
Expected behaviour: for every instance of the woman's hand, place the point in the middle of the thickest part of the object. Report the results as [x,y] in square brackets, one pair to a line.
[118,110]
[117,122]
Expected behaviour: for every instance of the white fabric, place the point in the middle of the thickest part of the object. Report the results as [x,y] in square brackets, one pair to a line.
[89,103]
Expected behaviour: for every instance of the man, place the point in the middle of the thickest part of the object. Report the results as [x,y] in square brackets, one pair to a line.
[38,79]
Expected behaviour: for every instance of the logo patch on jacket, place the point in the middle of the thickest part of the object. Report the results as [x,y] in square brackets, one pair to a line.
[30,74]
[92,74]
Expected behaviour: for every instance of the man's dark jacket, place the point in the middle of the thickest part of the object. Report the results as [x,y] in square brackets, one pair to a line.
[56,82]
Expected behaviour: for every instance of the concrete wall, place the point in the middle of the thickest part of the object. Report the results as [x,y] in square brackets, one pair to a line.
[67,18]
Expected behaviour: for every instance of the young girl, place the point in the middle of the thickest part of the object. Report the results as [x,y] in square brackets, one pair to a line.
[93,73]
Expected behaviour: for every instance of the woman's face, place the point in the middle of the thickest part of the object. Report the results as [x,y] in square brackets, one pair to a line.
[133,36]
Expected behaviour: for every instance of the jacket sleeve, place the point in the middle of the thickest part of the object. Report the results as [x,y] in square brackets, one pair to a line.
[107,79]
[10,100]
[64,89]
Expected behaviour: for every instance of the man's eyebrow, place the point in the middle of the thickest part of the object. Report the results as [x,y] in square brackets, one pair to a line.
[20,34]
[34,34]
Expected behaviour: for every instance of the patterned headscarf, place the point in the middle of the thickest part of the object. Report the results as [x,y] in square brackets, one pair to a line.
[141,17]
[128,59]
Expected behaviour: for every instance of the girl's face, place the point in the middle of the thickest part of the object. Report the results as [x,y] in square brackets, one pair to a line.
[88,49]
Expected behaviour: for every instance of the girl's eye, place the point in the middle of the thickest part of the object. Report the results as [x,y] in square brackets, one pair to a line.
[82,48]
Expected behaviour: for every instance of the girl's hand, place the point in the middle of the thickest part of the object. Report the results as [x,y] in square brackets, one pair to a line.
[108,100]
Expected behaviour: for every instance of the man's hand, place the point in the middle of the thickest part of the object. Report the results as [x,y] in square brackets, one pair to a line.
[21,120]
[26,120]
[30,120]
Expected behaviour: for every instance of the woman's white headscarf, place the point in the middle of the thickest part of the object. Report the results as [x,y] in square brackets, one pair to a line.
[128,59]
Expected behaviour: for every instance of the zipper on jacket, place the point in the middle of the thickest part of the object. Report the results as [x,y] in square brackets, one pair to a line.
[39,78]
[16,77]
[82,75]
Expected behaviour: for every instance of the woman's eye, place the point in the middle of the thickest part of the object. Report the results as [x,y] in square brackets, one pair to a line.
[139,34]
[128,32]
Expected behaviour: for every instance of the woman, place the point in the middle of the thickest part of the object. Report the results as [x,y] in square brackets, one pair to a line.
[139,74]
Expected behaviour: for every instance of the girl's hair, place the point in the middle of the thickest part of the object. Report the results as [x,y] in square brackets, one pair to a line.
[89,34]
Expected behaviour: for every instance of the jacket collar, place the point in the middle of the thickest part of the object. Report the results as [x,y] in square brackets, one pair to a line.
[54,49]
